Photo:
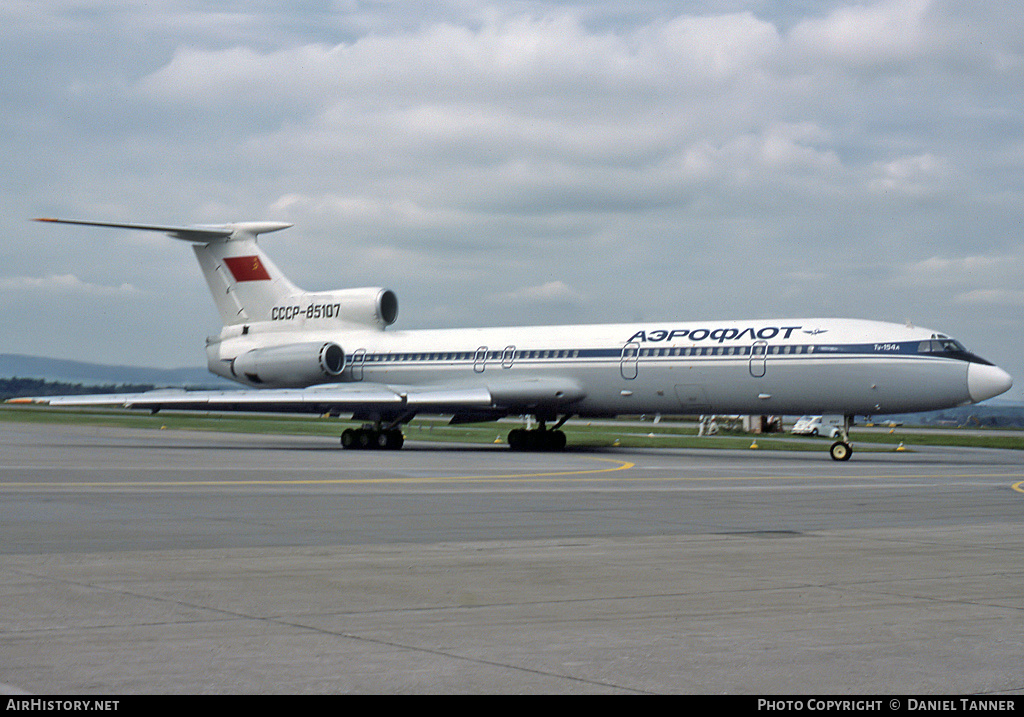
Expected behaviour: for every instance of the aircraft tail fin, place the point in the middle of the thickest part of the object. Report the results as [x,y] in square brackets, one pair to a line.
[244,282]
[248,288]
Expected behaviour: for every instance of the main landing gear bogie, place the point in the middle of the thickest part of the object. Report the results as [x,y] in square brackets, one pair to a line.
[520,439]
[372,438]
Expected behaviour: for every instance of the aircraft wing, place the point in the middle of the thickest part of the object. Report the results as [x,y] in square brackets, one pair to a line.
[498,397]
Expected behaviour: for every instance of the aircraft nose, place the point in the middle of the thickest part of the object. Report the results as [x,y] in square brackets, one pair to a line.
[985,381]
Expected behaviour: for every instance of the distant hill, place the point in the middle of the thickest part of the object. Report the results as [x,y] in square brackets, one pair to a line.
[992,414]
[92,374]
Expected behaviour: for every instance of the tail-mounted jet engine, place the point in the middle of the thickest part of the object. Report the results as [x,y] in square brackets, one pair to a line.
[372,306]
[291,365]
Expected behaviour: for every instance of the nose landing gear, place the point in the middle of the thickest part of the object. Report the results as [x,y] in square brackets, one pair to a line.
[841,450]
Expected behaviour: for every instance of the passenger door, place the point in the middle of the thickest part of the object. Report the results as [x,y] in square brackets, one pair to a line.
[759,358]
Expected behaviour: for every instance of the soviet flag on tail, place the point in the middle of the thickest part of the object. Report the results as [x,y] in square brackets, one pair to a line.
[246,268]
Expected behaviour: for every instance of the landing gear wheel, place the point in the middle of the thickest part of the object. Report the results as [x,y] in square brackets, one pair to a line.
[348,438]
[841,451]
[517,439]
[557,441]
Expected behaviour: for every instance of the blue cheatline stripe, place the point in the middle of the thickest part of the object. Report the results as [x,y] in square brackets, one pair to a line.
[875,350]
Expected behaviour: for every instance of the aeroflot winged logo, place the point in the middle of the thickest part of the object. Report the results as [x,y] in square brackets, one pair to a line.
[246,268]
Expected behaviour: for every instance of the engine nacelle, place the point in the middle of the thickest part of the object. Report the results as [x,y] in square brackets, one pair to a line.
[368,306]
[372,306]
[291,365]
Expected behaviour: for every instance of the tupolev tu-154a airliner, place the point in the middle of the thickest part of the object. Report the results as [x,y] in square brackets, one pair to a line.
[332,352]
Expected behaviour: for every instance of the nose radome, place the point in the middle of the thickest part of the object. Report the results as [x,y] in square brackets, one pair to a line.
[986,381]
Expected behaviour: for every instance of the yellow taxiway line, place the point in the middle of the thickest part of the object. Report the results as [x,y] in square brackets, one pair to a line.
[584,474]
[551,475]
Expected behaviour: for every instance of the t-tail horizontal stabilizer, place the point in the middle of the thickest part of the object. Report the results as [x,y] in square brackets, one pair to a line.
[202,233]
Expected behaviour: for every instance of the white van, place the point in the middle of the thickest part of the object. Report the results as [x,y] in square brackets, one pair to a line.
[830,426]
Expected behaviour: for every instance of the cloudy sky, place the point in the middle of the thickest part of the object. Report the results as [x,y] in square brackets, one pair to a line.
[516,162]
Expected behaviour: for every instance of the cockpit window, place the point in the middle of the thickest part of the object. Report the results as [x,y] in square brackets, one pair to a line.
[948,348]
[941,346]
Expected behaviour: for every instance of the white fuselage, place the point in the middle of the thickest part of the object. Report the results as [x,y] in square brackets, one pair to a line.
[783,366]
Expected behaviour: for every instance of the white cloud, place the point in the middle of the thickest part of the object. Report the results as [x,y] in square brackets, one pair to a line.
[65,284]
[915,176]
[990,297]
[966,270]
[548,55]
[552,292]
[874,35]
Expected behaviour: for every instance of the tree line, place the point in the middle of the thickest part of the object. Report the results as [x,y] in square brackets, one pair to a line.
[23,387]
